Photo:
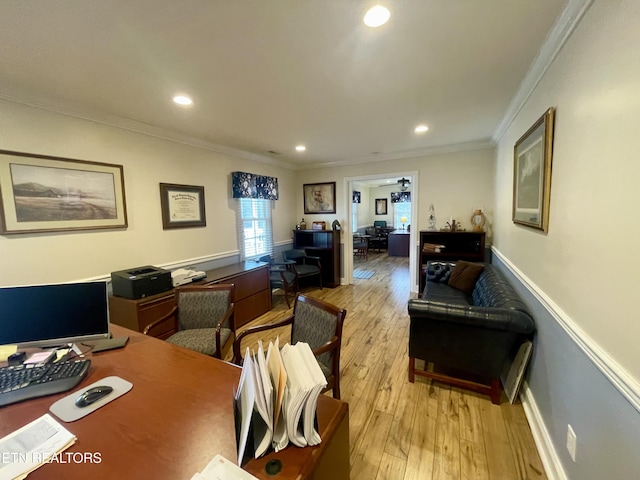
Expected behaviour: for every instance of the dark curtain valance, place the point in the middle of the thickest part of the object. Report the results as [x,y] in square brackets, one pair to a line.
[356,197]
[400,197]
[248,185]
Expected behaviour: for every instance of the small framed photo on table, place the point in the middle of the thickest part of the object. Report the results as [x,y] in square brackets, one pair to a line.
[182,206]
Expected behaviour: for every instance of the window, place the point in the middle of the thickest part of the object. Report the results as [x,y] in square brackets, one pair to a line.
[401,209]
[253,221]
[354,217]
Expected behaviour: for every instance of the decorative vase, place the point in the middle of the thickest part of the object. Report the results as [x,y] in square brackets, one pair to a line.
[431,219]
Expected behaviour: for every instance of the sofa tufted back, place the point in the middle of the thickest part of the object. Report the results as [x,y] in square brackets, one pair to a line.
[493,290]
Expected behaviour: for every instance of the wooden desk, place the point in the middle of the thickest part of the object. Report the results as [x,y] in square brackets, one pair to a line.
[252,298]
[399,243]
[176,418]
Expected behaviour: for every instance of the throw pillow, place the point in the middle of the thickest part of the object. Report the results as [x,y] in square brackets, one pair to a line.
[465,275]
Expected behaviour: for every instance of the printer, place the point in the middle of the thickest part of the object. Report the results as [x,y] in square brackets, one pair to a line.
[141,282]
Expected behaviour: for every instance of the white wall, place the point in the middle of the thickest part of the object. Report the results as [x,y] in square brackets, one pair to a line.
[583,273]
[147,161]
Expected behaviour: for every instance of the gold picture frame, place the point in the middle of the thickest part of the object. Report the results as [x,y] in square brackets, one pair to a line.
[41,193]
[532,159]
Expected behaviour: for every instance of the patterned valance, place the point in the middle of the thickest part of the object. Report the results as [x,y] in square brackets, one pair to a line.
[400,197]
[248,185]
[356,197]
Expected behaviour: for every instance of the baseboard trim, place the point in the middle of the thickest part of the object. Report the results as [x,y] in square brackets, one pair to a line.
[546,450]
[624,382]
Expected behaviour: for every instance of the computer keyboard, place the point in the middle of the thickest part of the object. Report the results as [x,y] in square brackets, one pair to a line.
[18,383]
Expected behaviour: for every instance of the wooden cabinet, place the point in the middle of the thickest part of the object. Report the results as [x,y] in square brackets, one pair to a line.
[252,298]
[326,245]
[253,289]
[137,314]
[467,246]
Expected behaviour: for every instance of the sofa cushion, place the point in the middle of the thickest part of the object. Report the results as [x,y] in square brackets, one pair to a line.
[443,293]
[465,275]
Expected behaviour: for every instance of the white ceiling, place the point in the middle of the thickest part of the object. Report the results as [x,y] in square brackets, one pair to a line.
[268,75]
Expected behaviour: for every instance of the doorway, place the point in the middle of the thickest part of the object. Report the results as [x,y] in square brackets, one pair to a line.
[349,182]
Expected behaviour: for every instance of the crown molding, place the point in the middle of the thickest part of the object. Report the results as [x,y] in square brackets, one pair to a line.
[423,152]
[73,110]
[557,37]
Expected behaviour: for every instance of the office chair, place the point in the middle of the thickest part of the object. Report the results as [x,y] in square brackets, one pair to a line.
[281,276]
[203,317]
[303,265]
[317,323]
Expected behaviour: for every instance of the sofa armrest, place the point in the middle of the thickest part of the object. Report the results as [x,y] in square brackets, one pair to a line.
[485,317]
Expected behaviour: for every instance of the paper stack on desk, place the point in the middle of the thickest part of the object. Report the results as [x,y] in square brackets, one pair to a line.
[32,446]
[276,400]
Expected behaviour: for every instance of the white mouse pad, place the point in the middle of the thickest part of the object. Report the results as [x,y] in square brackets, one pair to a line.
[67,411]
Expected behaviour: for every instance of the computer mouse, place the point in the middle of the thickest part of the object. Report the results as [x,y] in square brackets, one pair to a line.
[93,395]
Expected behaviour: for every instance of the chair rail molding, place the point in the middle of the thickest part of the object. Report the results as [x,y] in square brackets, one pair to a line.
[626,384]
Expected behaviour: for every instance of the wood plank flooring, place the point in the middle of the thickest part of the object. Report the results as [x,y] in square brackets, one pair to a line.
[404,431]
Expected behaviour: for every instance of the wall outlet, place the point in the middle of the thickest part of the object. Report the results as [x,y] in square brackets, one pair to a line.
[571,442]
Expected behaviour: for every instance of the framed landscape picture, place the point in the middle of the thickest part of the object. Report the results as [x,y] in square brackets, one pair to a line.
[182,206]
[319,197]
[40,193]
[532,174]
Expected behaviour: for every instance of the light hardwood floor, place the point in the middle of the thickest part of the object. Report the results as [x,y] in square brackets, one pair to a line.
[404,431]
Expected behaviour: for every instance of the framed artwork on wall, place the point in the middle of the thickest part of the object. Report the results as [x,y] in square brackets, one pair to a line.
[532,174]
[41,193]
[182,206]
[381,206]
[319,197]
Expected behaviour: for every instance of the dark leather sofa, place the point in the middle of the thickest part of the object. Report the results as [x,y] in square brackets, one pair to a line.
[468,338]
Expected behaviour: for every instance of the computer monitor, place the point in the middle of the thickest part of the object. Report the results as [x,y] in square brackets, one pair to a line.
[48,315]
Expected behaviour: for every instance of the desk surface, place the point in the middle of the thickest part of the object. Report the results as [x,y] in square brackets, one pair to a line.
[176,418]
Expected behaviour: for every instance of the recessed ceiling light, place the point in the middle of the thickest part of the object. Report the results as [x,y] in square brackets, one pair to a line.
[300,148]
[376,16]
[421,129]
[183,100]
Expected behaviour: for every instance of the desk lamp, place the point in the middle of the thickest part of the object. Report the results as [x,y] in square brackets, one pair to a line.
[403,220]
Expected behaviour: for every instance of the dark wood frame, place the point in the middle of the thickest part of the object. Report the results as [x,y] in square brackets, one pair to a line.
[307,190]
[9,223]
[541,132]
[382,203]
[165,190]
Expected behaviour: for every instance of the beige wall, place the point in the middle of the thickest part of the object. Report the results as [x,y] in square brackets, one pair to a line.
[587,262]
[147,161]
[453,182]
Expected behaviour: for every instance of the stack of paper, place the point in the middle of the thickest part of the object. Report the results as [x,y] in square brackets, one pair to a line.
[276,399]
[32,446]
[222,469]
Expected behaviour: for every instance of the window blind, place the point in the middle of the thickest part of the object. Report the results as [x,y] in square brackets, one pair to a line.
[254,228]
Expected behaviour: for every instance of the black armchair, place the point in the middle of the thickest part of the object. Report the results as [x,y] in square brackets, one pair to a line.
[379,239]
[281,275]
[304,265]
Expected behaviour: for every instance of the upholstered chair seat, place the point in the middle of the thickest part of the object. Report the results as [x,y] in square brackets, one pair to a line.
[203,318]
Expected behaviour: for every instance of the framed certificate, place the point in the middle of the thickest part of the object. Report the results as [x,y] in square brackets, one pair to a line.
[182,206]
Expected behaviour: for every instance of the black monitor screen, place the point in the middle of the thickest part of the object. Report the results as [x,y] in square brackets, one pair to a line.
[42,315]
